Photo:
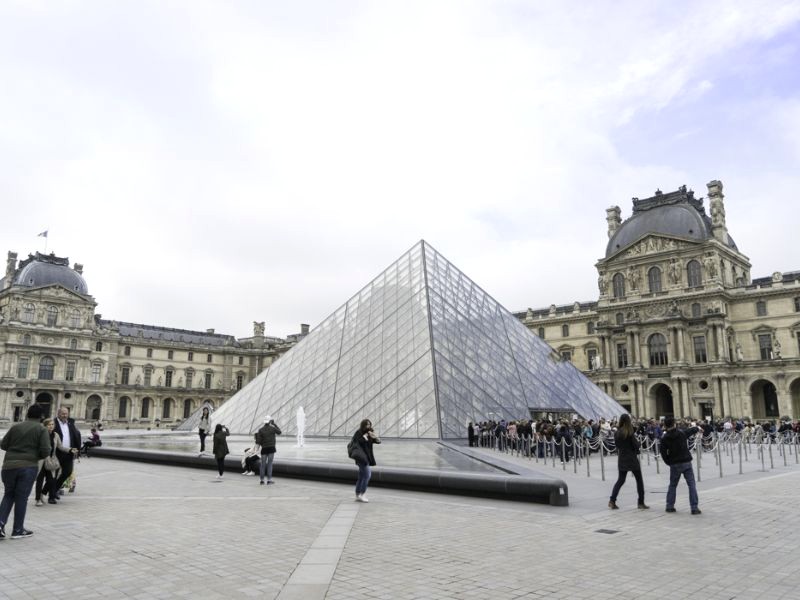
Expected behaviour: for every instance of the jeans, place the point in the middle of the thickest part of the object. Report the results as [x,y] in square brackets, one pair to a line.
[675,472]
[364,473]
[203,435]
[621,480]
[18,484]
[221,465]
[266,463]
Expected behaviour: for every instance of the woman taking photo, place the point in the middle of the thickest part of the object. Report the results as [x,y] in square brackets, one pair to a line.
[627,460]
[221,447]
[360,450]
[205,428]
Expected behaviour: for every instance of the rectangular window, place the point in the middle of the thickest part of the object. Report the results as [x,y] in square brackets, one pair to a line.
[22,368]
[169,354]
[761,308]
[765,346]
[209,357]
[190,357]
[189,377]
[126,375]
[797,304]
[566,355]
[622,356]
[241,360]
[168,379]
[127,350]
[149,353]
[208,381]
[591,356]
[96,369]
[70,372]
[700,355]
[148,375]
[240,381]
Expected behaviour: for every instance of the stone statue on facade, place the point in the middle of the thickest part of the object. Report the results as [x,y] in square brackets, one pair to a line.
[258,328]
[674,272]
[301,427]
[602,283]
[711,266]
[739,353]
[633,276]
[776,348]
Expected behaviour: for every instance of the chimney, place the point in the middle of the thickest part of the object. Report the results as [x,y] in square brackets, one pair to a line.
[613,219]
[11,269]
[716,205]
[303,329]
[210,331]
[78,268]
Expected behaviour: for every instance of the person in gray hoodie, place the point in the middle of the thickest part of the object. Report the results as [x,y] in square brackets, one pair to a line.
[25,445]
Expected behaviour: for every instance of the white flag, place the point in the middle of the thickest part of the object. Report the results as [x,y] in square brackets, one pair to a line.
[43,234]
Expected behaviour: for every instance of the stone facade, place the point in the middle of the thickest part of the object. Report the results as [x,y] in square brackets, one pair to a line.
[679,327]
[55,350]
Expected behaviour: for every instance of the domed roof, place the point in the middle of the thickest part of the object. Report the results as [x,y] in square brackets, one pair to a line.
[677,214]
[41,270]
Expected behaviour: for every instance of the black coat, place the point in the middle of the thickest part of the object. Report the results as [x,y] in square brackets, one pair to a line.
[366,446]
[74,435]
[628,452]
[674,448]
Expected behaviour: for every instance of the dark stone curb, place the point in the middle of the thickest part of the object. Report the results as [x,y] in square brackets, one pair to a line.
[506,487]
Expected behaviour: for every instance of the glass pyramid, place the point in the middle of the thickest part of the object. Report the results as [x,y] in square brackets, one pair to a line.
[420,351]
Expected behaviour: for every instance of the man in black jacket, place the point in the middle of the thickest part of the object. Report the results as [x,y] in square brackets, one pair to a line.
[71,440]
[675,452]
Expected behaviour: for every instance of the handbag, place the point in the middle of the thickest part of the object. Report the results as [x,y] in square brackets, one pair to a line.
[51,464]
[356,452]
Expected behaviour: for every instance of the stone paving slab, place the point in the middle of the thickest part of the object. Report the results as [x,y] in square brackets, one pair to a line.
[147,531]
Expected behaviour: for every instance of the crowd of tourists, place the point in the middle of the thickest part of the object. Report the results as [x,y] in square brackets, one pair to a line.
[40,455]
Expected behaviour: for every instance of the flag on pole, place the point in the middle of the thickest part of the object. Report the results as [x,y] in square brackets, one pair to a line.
[43,234]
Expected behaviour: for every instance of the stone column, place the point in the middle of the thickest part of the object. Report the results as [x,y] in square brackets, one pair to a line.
[638,345]
[632,357]
[725,397]
[603,352]
[681,346]
[687,402]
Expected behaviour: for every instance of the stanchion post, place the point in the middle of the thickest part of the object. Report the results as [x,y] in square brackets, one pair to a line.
[698,449]
[658,462]
[602,460]
[771,460]
[740,457]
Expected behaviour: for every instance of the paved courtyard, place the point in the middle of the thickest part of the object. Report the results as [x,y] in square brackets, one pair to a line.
[145,531]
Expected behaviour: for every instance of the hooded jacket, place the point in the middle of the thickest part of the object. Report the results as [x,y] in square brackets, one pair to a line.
[674,448]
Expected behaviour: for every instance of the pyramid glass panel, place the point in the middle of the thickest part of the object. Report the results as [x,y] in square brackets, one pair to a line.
[420,351]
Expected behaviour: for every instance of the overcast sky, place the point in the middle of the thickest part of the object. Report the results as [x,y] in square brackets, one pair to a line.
[216,163]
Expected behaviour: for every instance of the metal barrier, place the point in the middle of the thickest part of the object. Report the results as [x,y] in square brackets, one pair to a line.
[577,449]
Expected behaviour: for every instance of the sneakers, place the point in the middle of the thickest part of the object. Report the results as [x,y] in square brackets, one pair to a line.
[643,506]
[612,504]
[361,498]
[670,510]
[262,482]
[23,533]
[697,511]
[39,502]
[270,482]
[245,473]
[52,501]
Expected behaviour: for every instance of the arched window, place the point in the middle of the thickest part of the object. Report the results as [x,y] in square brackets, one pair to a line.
[541,332]
[73,344]
[28,312]
[619,285]
[145,414]
[565,330]
[696,310]
[187,408]
[590,327]
[52,316]
[98,347]
[46,367]
[97,371]
[26,339]
[654,279]
[658,349]
[694,274]
[620,318]
[166,411]
[75,319]
[123,407]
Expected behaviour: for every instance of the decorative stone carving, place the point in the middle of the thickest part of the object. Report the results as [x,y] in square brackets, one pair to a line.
[552,310]
[653,311]
[674,271]
[634,276]
[739,353]
[602,283]
[710,263]
[258,328]
[776,348]
[651,245]
[777,277]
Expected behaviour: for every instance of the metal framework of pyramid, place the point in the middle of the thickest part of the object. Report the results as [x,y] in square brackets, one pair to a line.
[420,351]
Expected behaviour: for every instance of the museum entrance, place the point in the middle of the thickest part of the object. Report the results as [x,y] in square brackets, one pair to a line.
[764,399]
[93,405]
[662,395]
[45,400]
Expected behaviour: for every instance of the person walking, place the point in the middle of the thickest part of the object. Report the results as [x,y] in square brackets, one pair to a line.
[46,481]
[70,437]
[362,454]
[265,437]
[204,429]
[627,461]
[220,447]
[25,444]
[675,453]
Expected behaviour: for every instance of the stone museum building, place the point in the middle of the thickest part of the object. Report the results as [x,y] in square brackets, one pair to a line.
[55,350]
[680,327]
